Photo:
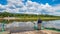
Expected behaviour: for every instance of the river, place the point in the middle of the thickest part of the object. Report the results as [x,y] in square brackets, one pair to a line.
[23,26]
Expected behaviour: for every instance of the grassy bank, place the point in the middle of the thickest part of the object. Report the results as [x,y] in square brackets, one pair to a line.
[27,17]
[24,19]
[42,18]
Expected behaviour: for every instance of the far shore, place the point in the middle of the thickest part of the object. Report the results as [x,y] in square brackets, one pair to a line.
[28,19]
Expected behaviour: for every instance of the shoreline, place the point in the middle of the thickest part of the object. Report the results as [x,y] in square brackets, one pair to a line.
[11,19]
[25,18]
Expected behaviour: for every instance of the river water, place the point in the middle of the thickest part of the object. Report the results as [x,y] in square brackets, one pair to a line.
[19,26]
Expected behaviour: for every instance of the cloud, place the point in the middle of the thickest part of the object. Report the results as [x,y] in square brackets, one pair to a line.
[17,6]
[56,10]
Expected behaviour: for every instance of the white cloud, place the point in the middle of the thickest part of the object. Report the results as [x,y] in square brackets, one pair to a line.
[56,10]
[17,6]
[57,7]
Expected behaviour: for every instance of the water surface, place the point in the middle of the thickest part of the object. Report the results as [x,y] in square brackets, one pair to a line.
[23,26]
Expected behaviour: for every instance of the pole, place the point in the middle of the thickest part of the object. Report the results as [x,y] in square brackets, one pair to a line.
[3,29]
[3,24]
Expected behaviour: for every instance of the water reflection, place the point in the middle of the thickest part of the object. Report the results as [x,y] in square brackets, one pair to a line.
[52,24]
[30,26]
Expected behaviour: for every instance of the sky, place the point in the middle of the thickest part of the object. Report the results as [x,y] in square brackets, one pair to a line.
[50,7]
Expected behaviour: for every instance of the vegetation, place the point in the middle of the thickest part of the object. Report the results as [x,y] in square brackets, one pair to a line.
[28,17]
[53,29]
[6,14]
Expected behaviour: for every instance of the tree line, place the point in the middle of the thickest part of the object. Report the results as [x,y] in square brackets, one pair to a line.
[6,14]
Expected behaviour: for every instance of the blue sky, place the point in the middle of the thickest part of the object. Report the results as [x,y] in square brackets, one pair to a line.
[3,2]
[18,6]
[51,2]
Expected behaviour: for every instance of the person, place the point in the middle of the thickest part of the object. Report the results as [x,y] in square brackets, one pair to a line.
[39,24]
